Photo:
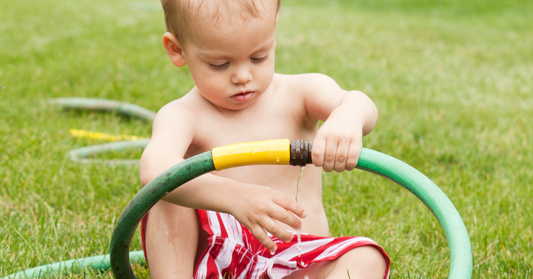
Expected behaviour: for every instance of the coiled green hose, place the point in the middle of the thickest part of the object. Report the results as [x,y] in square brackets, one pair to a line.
[83,154]
[123,108]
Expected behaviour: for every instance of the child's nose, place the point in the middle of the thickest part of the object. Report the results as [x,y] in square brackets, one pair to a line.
[242,75]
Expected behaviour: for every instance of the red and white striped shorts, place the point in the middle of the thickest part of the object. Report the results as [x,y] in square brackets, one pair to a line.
[233,252]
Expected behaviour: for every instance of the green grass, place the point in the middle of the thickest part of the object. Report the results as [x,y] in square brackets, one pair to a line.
[452,81]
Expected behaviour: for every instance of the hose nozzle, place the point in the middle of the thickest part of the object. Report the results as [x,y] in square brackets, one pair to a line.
[300,153]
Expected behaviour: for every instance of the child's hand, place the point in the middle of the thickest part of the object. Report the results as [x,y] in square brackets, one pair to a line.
[347,116]
[338,142]
[258,208]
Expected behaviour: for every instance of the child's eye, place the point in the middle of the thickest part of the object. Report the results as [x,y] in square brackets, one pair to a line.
[259,59]
[219,66]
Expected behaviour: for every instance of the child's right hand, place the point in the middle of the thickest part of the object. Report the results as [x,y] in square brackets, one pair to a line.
[258,208]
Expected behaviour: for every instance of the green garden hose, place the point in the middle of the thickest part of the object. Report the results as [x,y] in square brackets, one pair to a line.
[105,105]
[369,160]
[120,258]
[84,154]
[100,263]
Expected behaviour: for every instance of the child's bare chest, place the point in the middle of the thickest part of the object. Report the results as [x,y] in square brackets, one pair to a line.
[264,123]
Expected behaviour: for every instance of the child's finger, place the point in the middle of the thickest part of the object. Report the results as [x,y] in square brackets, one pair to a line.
[342,155]
[263,238]
[329,156]
[289,205]
[317,153]
[353,155]
[287,218]
[272,227]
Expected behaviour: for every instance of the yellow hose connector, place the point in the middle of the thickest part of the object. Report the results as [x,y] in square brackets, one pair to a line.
[272,152]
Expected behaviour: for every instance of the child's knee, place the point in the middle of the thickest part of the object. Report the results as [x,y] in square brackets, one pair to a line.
[373,256]
[361,262]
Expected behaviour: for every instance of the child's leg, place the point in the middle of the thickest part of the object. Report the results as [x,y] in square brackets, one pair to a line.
[362,262]
[172,235]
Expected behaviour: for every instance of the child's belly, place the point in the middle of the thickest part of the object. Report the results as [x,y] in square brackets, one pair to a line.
[316,222]
[284,179]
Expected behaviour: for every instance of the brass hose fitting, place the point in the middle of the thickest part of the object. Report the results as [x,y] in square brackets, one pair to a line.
[300,153]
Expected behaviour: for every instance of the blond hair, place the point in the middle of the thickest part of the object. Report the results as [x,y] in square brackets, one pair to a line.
[180,13]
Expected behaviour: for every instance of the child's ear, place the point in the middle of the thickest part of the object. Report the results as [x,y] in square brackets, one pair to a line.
[174,49]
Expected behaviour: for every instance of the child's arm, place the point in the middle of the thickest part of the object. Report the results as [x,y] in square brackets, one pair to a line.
[254,206]
[347,116]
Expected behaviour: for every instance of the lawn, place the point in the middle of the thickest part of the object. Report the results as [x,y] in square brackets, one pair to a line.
[453,82]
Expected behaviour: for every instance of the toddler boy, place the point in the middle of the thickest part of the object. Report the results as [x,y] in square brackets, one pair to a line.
[241,222]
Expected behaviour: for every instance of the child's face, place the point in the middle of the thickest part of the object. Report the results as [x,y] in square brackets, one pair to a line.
[232,65]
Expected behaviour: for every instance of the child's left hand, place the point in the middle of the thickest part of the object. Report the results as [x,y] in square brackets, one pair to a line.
[347,116]
[338,142]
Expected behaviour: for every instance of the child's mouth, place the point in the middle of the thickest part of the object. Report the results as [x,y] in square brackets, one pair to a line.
[243,97]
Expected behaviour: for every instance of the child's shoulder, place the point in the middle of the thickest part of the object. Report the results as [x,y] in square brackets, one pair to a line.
[187,104]
[183,110]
